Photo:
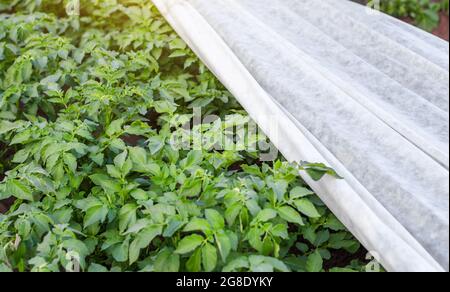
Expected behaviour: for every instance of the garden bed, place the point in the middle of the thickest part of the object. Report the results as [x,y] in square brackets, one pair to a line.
[442,30]
[89,106]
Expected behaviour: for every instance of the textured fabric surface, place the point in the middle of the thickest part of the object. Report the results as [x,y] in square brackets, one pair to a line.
[371,91]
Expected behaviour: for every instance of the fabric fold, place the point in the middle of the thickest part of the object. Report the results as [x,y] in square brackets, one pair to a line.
[368,96]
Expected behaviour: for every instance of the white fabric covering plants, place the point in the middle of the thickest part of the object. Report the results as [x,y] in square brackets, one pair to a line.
[362,92]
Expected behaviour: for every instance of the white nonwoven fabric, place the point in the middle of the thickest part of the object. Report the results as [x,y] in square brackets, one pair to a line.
[358,90]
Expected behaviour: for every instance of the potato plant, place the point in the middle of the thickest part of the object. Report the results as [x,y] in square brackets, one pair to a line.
[88,104]
[423,13]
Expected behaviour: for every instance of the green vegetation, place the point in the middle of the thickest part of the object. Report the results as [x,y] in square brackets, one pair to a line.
[424,13]
[87,108]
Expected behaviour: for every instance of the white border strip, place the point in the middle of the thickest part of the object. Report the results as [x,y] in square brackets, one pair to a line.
[399,251]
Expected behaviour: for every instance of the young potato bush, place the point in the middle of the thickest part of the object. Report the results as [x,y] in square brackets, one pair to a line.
[87,106]
[423,13]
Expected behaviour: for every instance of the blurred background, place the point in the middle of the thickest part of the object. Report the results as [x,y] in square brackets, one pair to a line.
[430,15]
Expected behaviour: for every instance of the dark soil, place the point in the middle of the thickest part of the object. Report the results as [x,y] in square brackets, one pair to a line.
[236,166]
[339,258]
[6,156]
[5,205]
[132,140]
[342,258]
[442,30]
[153,117]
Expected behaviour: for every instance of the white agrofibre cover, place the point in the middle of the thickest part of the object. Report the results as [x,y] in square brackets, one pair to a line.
[355,89]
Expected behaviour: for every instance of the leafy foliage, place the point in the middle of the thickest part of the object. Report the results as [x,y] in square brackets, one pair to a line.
[87,106]
[424,13]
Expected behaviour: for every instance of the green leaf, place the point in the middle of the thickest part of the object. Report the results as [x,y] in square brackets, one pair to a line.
[165,106]
[117,144]
[266,215]
[19,190]
[120,251]
[88,203]
[98,158]
[113,171]
[236,265]
[167,261]
[350,246]
[78,56]
[232,213]
[321,237]
[127,216]
[194,264]
[268,246]
[189,243]
[143,240]
[209,257]
[106,183]
[309,234]
[316,174]
[215,219]
[115,127]
[73,244]
[126,168]
[306,207]
[289,214]
[277,264]
[138,155]
[96,214]
[174,225]
[254,238]
[280,189]
[21,156]
[5,269]
[27,70]
[155,144]
[120,159]
[197,224]
[318,170]
[253,207]
[7,126]
[138,226]
[259,264]
[334,224]
[139,195]
[194,158]
[224,244]
[191,188]
[71,162]
[314,262]
[21,138]
[177,44]
[299,192]
[280,230]
[96,268]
